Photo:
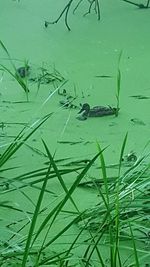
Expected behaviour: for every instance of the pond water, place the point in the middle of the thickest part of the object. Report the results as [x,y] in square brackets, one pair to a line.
[87,58]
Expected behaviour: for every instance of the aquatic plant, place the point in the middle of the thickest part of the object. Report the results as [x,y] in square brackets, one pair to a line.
[20,80]
[66,10]
[47,75]
[20,140]
[23,74]
[119,216]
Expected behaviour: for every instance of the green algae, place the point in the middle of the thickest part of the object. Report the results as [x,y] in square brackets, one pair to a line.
[92,48]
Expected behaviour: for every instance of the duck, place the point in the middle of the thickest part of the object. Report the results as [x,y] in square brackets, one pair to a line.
[97,111]
[23,71]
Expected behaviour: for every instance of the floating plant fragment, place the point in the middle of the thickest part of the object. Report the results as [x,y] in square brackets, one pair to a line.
[141,6]
[46,76]
[103,76]
[138,121]
[140,97]
[70,142]
[66,10]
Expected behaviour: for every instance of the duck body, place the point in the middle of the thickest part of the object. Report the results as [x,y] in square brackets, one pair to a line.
[100,111]
[97,111]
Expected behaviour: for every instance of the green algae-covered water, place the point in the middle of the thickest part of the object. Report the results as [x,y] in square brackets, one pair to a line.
[108,207]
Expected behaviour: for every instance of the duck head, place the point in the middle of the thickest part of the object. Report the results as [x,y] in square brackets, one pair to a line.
[84,112]
[85,109]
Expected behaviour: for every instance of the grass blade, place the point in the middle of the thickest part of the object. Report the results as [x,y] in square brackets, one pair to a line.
[56,210]
[20,140]
[134,247]
[34,219]
[58,175]
[104,174]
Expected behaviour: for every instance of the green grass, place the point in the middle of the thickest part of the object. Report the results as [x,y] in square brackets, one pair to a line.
[45,76]
[120,217]
[22,82]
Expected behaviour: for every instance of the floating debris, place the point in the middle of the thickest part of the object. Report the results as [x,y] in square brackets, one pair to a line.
[46,77]
[103,76]
[140,97]
[70,142]
[138,121]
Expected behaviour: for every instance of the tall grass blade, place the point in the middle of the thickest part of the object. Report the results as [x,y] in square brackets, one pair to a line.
[20,140]
[95,240]
[5,49]
[18,78]
[122,153]
[58,175]
[117,207]
[134,247]
[34,219]
[60,233]
[57,209]
[104,174]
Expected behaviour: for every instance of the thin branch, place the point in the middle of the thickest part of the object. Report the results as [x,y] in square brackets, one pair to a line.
[96,8]
[66,16]
[90,7]
[138,5]
[77,6]
[65,10]
[147,3]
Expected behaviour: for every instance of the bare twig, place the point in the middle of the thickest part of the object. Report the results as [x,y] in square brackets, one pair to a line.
[96,8]
[90,7]
[138,5]
[147,5]
[77,6]
[65,10]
